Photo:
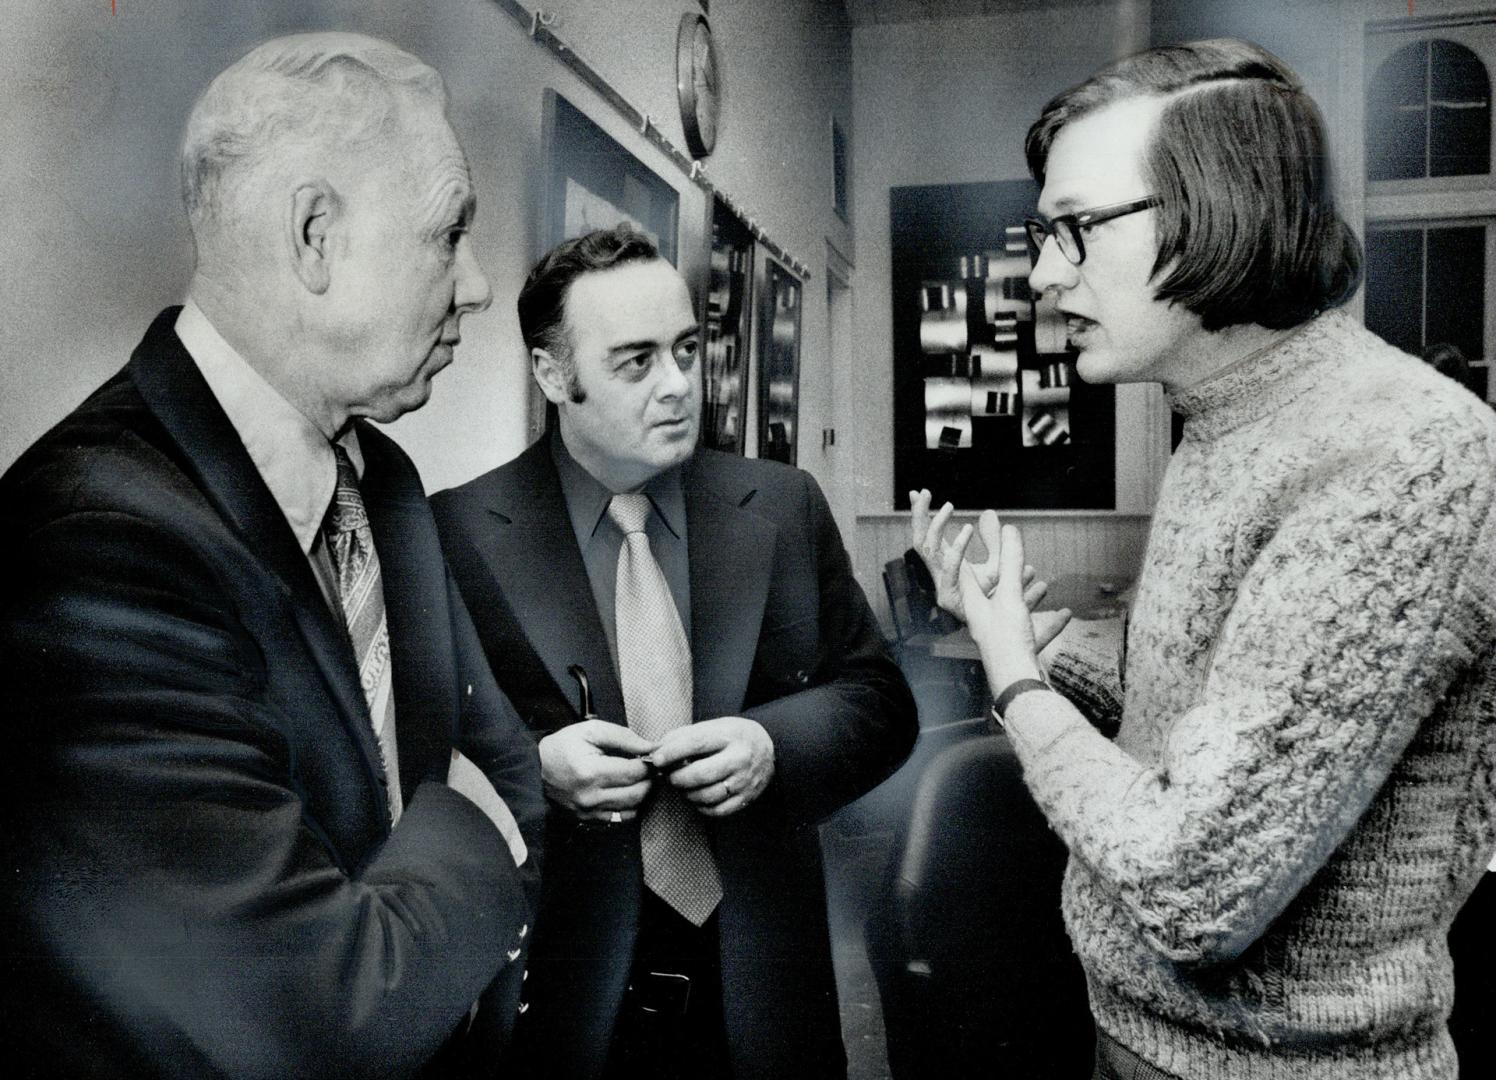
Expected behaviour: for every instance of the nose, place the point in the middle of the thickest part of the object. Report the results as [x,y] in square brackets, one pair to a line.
[675,381]
[1051,269]
[473,292]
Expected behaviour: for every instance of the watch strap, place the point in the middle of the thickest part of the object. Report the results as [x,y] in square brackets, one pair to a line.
[1012,690]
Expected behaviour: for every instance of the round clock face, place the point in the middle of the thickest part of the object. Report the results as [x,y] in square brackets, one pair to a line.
[697,84]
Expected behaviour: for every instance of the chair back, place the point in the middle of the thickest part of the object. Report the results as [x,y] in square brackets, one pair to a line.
[896,586]
[974,966]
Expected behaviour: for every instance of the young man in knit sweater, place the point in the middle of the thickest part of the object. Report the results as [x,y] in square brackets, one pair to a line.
[1266,861]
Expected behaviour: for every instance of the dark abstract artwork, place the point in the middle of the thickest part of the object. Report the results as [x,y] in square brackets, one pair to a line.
[988,410]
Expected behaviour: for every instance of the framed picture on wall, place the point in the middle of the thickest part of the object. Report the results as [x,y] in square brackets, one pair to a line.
[779,363]
[593,182]
[726,331]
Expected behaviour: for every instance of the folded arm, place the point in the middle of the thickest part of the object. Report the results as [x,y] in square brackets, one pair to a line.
[167,870]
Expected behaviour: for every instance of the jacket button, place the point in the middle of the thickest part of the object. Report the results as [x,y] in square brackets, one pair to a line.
[802,676]
[523,930]
[513,955]
[524,1007]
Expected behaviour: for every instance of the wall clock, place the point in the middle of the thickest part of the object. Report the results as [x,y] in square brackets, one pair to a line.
[697,84]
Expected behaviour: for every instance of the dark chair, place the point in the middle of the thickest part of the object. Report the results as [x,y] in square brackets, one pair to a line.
[945,690]
[885,809]
[896,588]
[911,598]
[1472,944]
[974,968]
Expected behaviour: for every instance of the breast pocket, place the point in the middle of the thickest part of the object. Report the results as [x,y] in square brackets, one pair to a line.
[788,656]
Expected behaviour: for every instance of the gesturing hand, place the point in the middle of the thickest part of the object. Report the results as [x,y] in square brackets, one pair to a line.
[1000,620]
[941,556]
[944,559]
[1047,626]
[731,762]
[594,769]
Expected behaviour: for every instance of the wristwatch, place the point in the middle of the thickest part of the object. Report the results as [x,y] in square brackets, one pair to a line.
[1011,691]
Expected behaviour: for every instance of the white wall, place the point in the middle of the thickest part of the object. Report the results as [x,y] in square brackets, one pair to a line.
[96,242]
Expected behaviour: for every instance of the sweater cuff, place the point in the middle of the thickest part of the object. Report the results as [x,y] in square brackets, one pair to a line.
[1085,666]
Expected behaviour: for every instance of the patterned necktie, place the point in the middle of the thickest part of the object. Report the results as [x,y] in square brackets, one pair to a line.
[655,666]
[350,543]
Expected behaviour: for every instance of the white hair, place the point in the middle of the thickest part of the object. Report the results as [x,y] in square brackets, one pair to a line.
[288,97]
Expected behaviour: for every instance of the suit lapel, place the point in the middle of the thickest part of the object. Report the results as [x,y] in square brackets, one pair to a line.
[177,394]
[531,552]
[731,553]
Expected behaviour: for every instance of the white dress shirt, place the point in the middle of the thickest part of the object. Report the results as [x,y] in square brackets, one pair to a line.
[296,462]
[292,456]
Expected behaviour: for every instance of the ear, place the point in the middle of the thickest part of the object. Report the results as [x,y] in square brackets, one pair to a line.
[551,376]
[315,206]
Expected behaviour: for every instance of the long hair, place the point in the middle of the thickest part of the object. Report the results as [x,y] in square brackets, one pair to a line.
[1248,231]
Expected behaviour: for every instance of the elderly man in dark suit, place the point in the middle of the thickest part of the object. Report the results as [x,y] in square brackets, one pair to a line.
[740,687]
[265,812]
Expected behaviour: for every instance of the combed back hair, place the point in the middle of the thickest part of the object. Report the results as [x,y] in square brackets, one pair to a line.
[306,93]
[542,300]
[1247,228]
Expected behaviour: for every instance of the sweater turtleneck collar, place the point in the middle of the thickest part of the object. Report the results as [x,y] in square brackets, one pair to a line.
[1259,383]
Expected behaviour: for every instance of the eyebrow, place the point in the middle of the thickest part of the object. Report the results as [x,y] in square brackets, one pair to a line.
[457,199]
[650,344]
[1065,205]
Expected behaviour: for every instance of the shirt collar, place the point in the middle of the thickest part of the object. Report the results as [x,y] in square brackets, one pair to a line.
[587,499]
[291,455]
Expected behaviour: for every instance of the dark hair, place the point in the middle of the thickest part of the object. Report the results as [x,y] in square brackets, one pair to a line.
[542,301]
[1240,160]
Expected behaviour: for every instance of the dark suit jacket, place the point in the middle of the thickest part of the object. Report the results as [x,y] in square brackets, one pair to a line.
[781,633]
[200,878]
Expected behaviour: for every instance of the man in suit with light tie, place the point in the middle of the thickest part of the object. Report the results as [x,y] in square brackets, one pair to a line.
[265,812]
[741,691]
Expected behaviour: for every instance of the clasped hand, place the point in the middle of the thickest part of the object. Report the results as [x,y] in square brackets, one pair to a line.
[720,765]
[603,772]
[995,597]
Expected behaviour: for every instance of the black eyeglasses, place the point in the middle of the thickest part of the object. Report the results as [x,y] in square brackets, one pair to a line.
[1066,228]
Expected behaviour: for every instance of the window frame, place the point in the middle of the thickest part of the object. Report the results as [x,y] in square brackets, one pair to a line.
[1431,202]
[1436,196]
[1424,222]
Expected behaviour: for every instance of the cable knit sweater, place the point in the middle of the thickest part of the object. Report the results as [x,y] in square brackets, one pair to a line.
[1266,860]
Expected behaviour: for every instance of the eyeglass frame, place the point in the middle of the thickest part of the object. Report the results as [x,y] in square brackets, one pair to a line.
[1038,230]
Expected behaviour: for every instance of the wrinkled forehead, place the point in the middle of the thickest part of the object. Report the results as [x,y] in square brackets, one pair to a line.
[1097,159]
[427,154]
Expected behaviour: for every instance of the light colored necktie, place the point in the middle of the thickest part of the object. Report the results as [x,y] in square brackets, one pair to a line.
[654,661]
[350,543]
